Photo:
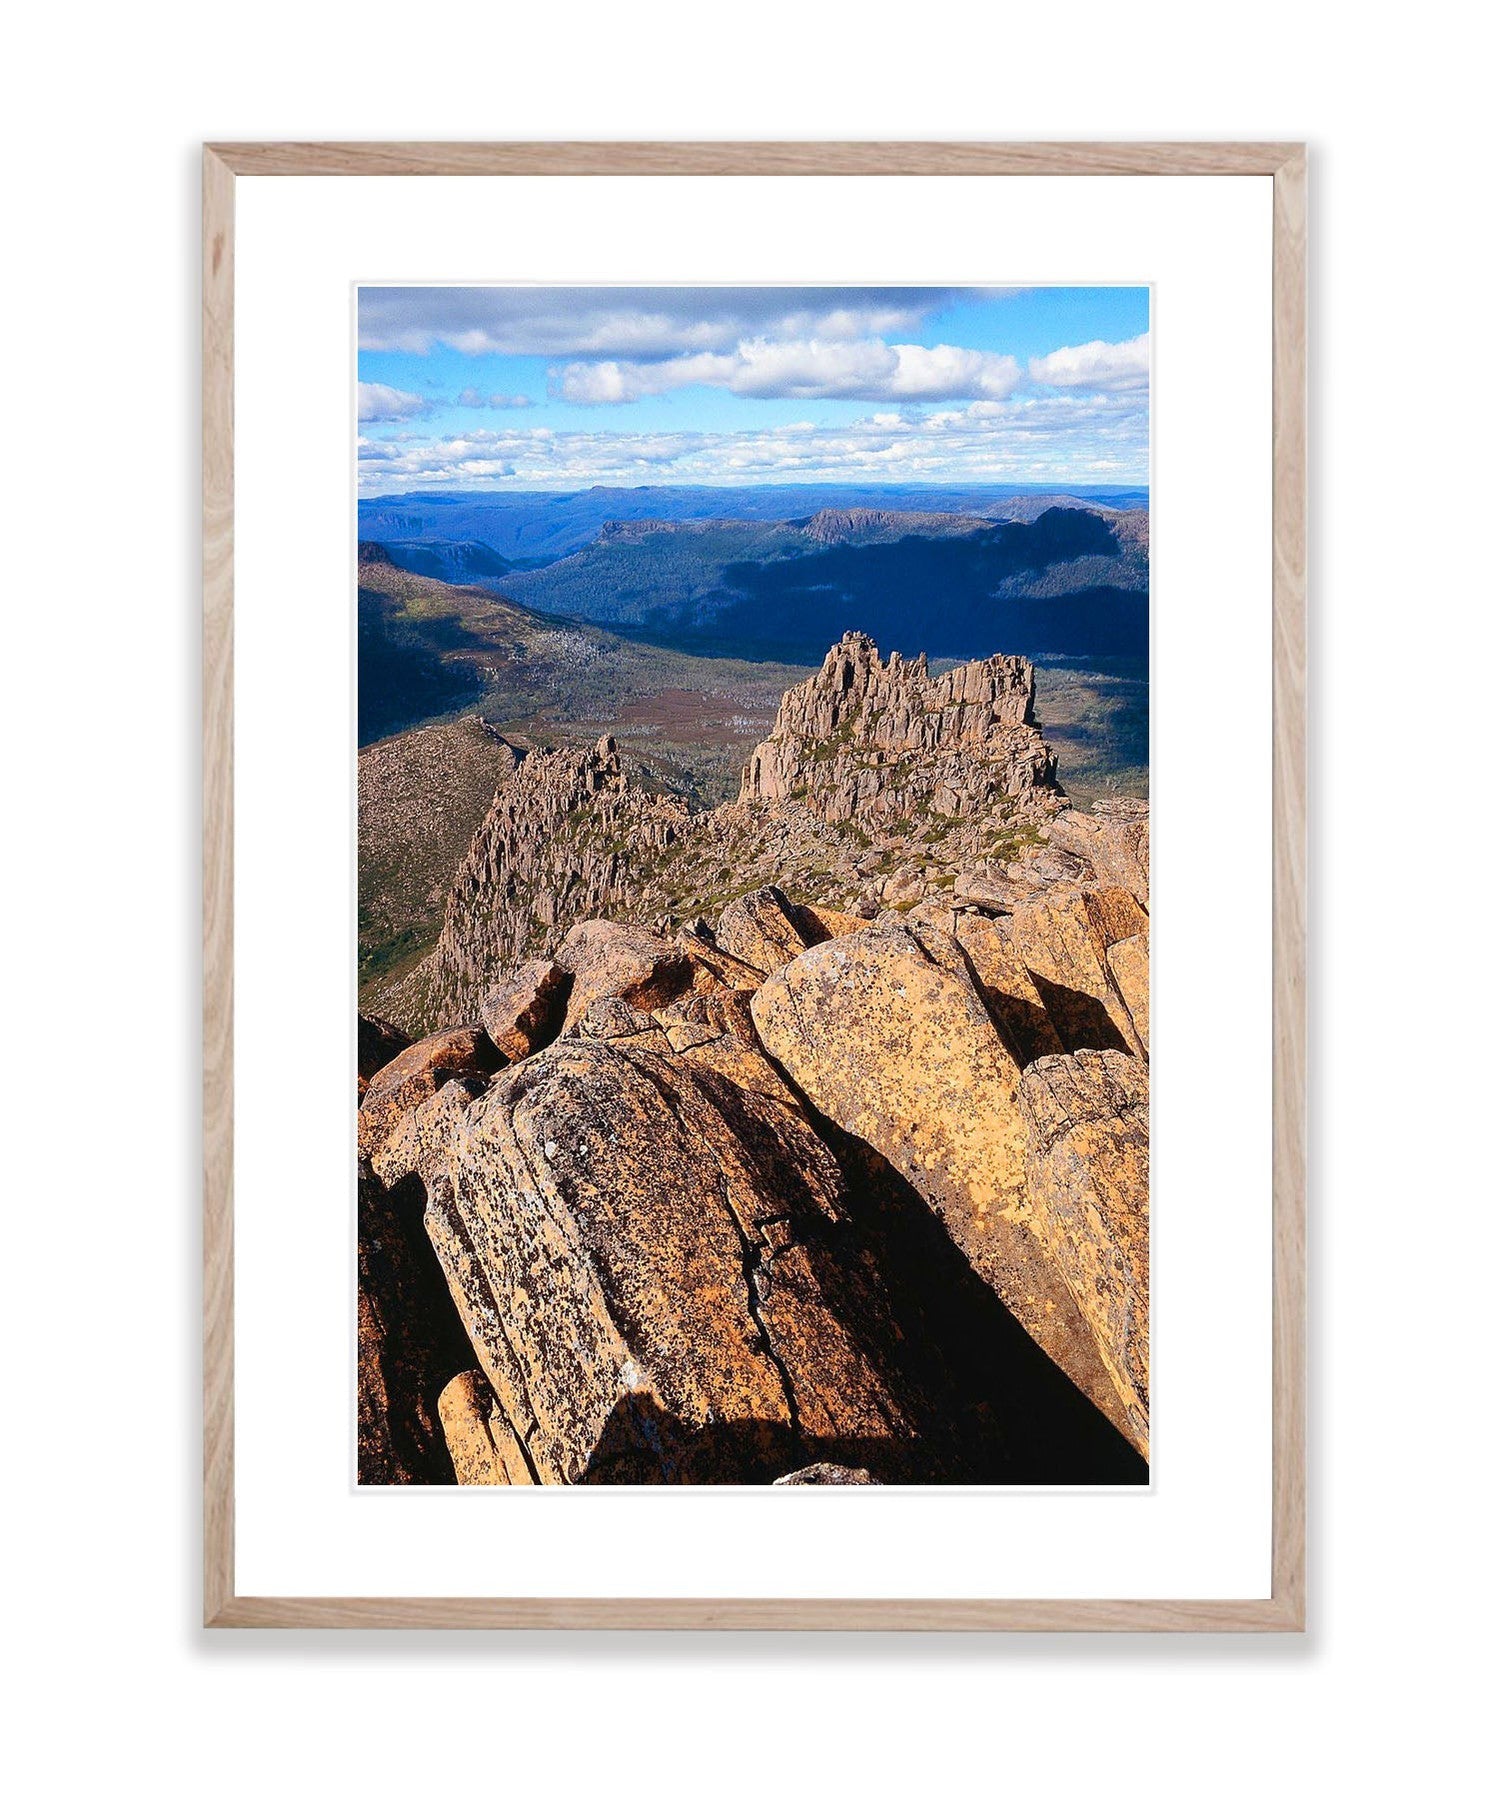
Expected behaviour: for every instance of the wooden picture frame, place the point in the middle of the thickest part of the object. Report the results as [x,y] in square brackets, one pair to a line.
[1284,1609]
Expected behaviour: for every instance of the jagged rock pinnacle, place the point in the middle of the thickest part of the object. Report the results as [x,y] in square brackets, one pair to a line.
[889,737]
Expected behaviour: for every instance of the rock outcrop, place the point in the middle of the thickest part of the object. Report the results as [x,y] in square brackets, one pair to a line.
[920,790]
[415,1075]
[872,740]
[561,843]
[646,1258]
[899,1050]
[1088,1180]
[849,1185]
[524,1011]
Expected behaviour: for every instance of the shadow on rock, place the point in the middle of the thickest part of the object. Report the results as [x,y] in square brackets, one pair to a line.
[998,1409]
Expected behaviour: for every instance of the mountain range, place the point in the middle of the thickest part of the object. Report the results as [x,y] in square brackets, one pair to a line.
[1060,577]
[523,526]
[1070,581]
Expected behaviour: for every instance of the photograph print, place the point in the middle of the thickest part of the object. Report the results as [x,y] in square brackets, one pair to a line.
[753,886]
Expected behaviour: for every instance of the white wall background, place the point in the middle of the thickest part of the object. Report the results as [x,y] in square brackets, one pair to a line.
[104,111]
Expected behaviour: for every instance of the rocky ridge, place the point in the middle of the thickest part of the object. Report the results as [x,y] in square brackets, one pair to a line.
[787,1192]
[884,742]
[881,784]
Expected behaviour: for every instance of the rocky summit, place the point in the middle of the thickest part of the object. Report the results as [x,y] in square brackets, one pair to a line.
[882,741]
[799,1141]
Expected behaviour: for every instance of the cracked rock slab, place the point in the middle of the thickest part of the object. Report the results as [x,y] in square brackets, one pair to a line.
[647,1260]
[902,1053]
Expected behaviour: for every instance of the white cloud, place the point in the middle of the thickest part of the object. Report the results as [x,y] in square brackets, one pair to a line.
[378,403]
[1105,368]
[802,369]
[629,323]
[1056,437]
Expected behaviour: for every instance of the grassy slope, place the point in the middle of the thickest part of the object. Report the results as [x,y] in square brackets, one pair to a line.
[422,796]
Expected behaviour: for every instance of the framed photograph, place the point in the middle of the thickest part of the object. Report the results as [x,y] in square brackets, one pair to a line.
[754,808]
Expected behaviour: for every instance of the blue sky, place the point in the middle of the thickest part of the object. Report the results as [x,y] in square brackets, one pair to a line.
[516,388]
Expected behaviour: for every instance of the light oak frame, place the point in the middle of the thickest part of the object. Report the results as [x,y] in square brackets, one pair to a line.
[1285,1609]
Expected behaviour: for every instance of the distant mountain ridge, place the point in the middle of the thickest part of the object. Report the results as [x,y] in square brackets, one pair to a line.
[1068,579]
[524,526]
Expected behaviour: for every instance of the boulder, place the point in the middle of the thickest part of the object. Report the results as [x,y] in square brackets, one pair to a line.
[416,1074]
[989,891]
[1088,1173]
[484,1450]
[1049,866]
[421,1131]
[524,1012]
[609,1018]
[620,961]
[818,923]
[827,1474]
[713,967]
[1113,839]
[761,928]
[1063,939]
[936,909]
[731,1050]
[689,1022]
[902,1054]
[713,1031]
[379,1042]
[655,1270]
[904,888]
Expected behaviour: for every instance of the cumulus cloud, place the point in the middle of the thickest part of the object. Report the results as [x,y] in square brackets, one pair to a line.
[1057,437]
[640,324]
[473,397]
[378,404]
[1105,368]
[802,369]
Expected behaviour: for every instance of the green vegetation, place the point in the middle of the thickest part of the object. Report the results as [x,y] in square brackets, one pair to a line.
[392,956]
